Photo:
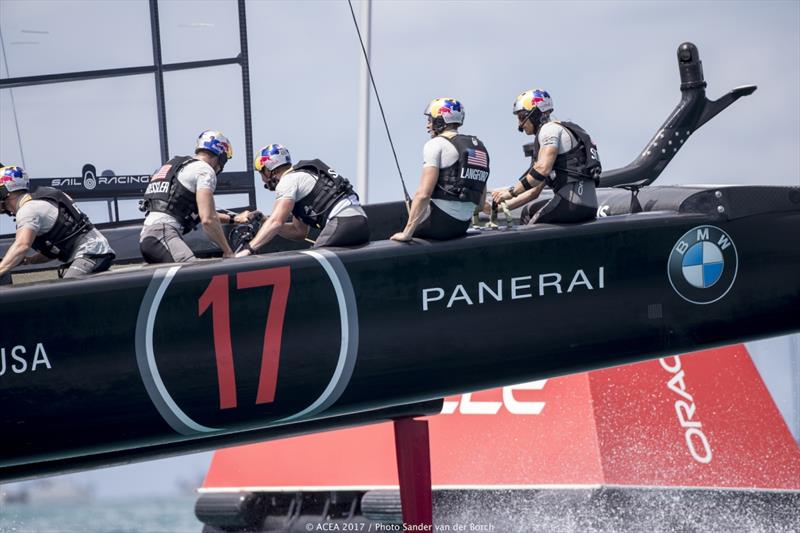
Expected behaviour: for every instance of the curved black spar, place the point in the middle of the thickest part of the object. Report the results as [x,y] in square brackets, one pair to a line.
[148,361]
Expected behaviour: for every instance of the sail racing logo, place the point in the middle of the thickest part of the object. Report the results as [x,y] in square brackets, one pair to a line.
[703,264]
[89,176]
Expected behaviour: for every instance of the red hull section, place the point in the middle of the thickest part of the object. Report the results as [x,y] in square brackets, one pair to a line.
[699,420]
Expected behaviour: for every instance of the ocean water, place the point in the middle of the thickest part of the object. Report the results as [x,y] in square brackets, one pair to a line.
[163,515]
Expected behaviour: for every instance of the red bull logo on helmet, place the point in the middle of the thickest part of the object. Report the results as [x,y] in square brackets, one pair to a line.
[9,173]
[445,106]
[216,143]
[534,98]
[272,156]
[217,146]
[13,179]
[260,161]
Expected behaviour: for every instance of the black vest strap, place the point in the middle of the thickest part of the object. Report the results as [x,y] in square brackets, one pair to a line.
[59,243]
[166,194]
[315,208]
[465,180]
[582,162]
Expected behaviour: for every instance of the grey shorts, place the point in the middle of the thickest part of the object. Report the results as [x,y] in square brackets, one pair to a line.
[344,231]
[162,243]
[85,265]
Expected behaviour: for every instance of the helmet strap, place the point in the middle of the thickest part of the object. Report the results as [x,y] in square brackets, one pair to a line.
[272,180]
[438,125]
[271,183]
[5,194]
[221,160]
[535,116]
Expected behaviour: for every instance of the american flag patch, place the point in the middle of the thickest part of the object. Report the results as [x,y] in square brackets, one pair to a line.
[477,158]
[161,174]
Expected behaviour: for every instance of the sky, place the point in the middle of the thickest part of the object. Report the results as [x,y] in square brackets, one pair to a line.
[609,66]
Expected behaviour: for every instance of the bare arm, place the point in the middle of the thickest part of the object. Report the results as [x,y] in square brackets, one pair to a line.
[16,253]
[240,218]
[296,230]
[210,221]
[35,259]
[272,226]
[522,199]
[419,205]
[543,165]
[546,160]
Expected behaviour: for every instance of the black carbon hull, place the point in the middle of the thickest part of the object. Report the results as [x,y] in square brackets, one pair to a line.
[150,361]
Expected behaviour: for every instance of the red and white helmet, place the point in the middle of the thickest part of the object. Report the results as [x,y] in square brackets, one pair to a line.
[12,179]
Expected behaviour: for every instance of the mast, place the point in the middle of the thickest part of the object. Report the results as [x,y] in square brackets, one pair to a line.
[362,154]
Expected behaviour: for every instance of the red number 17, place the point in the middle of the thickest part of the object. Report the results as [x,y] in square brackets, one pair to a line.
[216,296]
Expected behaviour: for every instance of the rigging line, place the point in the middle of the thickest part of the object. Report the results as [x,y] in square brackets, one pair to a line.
[378,98]
[13,103]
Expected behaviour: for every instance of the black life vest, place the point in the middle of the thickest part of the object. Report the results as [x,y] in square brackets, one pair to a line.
[580,163]
[71,223]
[329,190]
[464,180]
[166,194]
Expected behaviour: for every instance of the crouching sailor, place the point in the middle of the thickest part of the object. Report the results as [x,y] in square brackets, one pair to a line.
[179,197]
[315,195]
[49,222]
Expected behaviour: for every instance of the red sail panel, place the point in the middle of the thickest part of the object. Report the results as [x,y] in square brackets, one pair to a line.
[704,419]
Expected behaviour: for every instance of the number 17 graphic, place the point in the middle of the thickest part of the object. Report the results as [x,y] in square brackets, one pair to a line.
[216,296]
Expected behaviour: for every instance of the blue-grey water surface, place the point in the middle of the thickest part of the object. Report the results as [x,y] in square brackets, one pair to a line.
[162,515]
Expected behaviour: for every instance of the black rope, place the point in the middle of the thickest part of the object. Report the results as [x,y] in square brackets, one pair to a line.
[377,97]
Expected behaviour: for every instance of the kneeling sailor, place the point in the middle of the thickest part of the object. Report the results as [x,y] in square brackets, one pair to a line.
[179,197]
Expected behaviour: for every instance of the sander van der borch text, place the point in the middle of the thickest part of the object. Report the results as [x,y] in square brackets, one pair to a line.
[379,528]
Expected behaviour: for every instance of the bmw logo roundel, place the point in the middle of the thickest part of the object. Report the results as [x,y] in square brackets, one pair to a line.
[703,264]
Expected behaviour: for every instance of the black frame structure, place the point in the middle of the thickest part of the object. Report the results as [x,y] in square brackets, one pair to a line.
[132,186]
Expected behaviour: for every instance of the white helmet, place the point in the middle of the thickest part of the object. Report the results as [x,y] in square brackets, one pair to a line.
[271,157]
[443,111]
[534,105]
[12,179]
[215,142]
[535,98]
